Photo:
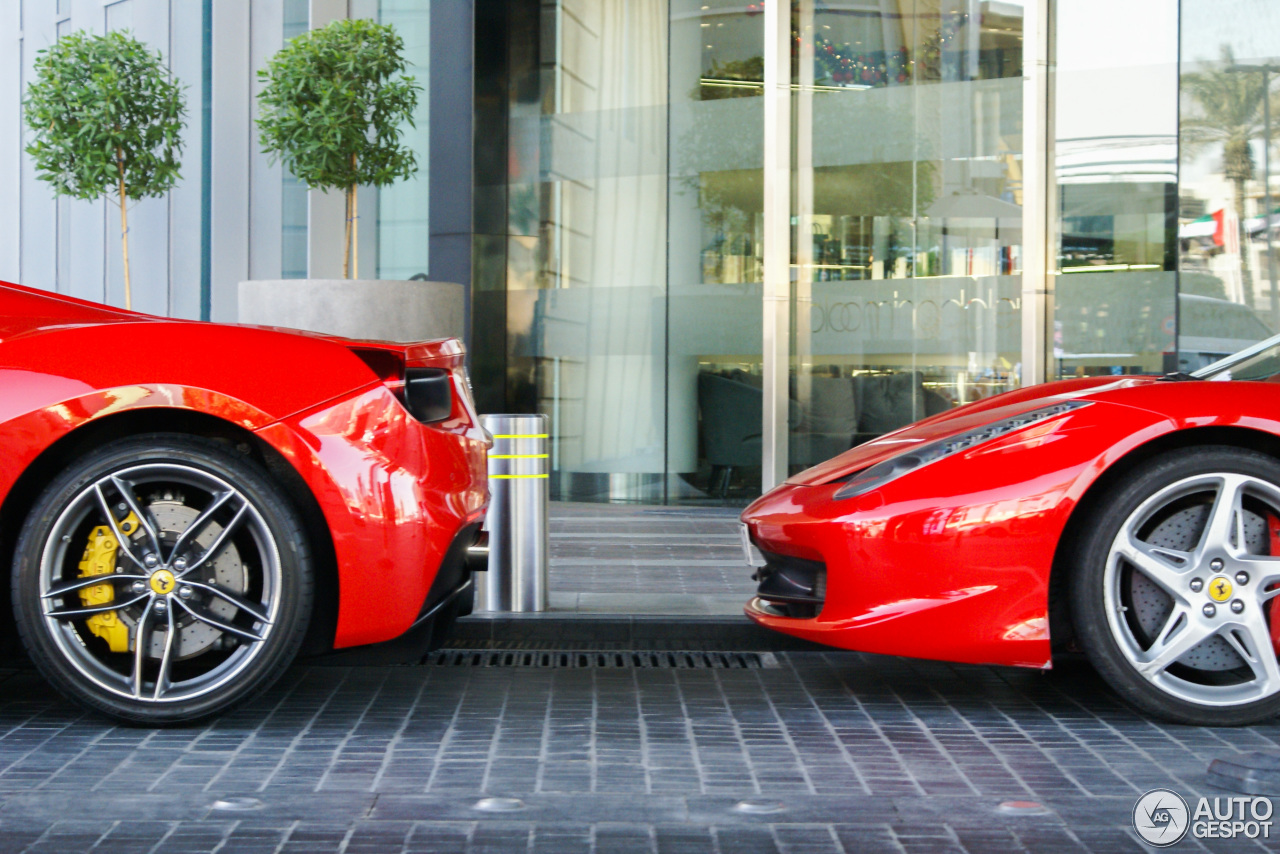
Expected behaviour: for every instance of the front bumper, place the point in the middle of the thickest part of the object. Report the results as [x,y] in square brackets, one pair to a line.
[901,580]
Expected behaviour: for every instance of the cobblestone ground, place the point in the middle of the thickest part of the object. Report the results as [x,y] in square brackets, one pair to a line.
[823,752]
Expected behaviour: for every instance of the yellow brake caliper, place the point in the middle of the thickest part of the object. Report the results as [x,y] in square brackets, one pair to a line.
[100,559]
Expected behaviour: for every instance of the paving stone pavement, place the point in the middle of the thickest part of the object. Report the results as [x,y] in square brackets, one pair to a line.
[831,752]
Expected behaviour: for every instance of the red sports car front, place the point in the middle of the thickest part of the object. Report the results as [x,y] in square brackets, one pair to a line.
[1007,528]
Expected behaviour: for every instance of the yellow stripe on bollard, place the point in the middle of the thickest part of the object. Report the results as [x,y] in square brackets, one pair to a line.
[521,435]
[518,456]
[514,476]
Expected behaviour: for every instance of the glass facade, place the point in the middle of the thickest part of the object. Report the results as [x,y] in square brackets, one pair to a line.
[623,252]
[1115,104]
[621,218]
[715,269]
[403,207]
[907,215]
[947,199]
[1227,195]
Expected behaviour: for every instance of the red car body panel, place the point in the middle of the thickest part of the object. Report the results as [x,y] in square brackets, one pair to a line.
[394,495]
[394,492]
[952,561]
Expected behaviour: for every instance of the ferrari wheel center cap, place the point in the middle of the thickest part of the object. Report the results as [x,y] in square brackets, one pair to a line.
[162,581]
[1219,588]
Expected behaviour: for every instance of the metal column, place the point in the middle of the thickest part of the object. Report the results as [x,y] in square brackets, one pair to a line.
[1039,238]
[777,239]
[519,471]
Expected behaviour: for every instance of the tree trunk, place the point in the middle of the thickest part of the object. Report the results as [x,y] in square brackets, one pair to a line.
[346,244]
[354,213]
[1246,275]
[124,232]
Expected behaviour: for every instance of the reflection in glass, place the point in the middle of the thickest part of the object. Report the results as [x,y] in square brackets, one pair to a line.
[1116,164]
[715,210]
[1228,97]
[908,220]
[403,227]
[586,240]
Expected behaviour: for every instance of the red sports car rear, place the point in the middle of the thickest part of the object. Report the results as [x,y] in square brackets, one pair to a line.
[184,504]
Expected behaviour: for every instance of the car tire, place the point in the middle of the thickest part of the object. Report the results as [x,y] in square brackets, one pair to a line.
[209,566]
[1171,610]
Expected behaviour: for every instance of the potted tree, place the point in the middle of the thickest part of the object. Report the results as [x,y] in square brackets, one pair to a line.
[331,110]
[107,119]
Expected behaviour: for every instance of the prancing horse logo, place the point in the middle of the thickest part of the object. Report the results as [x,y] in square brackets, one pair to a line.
[162,581]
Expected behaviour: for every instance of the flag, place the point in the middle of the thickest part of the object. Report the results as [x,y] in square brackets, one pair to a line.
[1226,232]
[1231,232]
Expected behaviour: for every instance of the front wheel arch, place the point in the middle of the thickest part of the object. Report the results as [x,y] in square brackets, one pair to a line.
[1066,556]
[51,461]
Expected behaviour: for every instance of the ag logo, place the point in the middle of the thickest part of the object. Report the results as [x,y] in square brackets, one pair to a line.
[1161,817]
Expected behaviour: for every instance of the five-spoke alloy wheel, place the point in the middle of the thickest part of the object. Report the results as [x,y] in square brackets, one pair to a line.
[162,579]
[1175,591]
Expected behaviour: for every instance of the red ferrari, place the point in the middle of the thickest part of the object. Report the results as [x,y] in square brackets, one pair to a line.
[186,505]
[1136,519]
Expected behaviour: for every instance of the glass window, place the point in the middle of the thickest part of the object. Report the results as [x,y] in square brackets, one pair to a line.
[620,253]
[403,227]
[1260,362]
[715,210]
[907,122]
[119,15]
[586,239]
[1116,119]
[1230,284]
[293,200]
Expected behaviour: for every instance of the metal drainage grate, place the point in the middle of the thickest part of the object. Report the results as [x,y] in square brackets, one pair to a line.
[680,660]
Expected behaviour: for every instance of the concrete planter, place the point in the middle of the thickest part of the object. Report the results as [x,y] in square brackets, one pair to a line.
[378,309]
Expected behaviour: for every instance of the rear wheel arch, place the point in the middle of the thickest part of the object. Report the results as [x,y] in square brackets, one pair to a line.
[1066,557]
[134,422]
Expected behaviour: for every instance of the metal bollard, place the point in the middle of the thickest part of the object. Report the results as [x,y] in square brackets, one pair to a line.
[519,468]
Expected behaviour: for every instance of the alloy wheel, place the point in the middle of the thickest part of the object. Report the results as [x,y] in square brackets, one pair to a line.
[160,582]
[1189,587]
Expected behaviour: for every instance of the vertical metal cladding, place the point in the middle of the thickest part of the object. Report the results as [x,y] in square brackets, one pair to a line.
[519,479]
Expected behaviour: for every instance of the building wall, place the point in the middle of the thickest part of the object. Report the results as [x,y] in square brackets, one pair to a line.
[74,247]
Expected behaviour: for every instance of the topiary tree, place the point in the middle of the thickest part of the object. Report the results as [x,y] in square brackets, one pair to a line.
[107,117]
[331,110]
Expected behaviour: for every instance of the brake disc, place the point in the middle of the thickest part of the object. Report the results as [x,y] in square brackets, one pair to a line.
[1181,530]
[194,637]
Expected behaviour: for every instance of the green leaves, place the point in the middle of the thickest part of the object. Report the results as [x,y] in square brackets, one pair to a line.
[100,105]
[333,103]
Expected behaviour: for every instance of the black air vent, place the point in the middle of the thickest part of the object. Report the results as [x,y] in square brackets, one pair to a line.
[427,394]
